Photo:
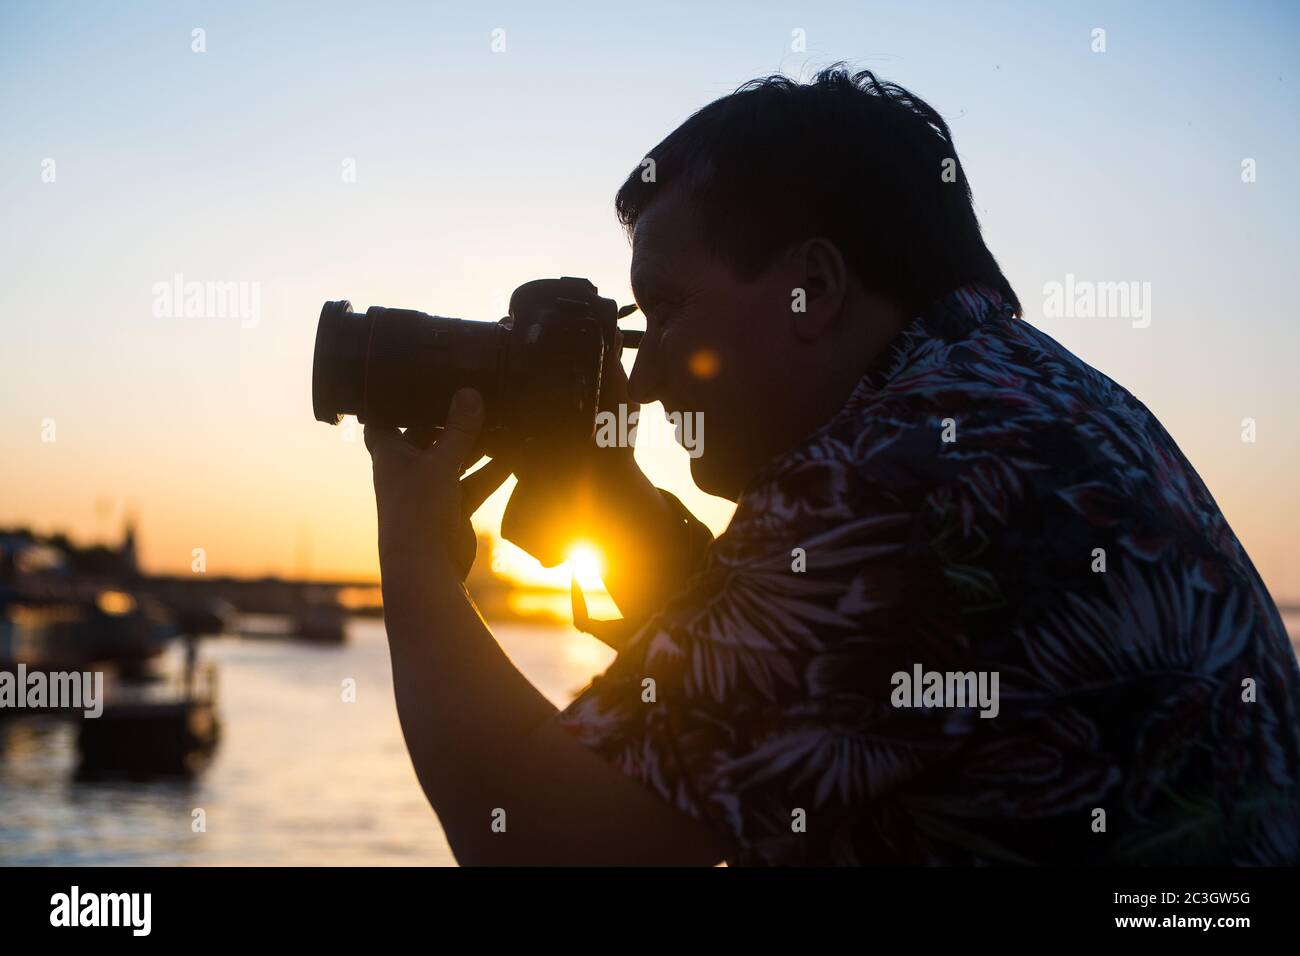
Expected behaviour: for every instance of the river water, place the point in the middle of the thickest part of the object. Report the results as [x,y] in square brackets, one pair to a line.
[300,777]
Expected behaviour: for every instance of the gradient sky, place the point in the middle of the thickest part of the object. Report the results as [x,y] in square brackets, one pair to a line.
[476,171]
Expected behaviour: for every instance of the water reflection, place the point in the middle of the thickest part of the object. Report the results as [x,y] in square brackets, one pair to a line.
[300,777]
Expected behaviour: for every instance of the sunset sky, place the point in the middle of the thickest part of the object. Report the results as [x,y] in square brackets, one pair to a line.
[477,170]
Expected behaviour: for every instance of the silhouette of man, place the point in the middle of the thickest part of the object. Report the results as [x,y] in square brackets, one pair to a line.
[936,503]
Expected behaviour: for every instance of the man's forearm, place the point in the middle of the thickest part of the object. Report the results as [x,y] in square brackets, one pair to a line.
[481,737]
[461,703]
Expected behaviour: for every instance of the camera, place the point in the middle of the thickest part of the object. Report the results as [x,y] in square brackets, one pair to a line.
[539,369]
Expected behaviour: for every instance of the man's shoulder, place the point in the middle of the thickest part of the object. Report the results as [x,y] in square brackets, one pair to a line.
[1003,389]
[983,432]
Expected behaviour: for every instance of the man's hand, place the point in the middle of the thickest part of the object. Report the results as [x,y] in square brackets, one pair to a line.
[423,506]
[600,495]
[479,734]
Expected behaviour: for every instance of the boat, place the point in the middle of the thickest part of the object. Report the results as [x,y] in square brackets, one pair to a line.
[321,624]
[148,731]
[60,633]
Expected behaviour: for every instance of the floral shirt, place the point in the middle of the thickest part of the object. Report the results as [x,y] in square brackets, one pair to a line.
[984,504]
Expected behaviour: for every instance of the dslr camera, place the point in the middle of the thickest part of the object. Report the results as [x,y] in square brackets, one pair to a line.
[539,369]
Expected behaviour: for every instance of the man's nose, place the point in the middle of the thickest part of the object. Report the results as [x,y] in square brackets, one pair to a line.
[643,382]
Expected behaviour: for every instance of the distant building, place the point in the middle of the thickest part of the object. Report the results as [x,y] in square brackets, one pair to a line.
[130,562]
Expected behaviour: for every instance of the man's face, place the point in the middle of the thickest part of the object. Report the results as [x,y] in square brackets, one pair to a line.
[714,344]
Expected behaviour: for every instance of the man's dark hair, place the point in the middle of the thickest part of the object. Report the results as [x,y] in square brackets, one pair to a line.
[848,157]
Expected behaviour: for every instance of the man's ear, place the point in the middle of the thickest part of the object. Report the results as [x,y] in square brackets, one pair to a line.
[816,303]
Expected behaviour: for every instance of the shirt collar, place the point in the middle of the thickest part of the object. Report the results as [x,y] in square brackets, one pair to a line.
[950,318]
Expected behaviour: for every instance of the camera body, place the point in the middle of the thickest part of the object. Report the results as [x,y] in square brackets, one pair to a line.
[539,369]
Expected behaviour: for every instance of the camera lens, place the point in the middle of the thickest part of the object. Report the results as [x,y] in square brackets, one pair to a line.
[399,366]
[336,366]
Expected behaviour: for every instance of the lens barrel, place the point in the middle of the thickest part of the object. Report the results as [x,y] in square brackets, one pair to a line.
[401,367]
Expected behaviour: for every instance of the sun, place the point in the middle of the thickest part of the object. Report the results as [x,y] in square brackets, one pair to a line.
[586,564]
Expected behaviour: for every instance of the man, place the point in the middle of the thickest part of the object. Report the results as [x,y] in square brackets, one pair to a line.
[974,605]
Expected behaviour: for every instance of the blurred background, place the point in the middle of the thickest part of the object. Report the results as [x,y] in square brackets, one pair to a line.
[169,506]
